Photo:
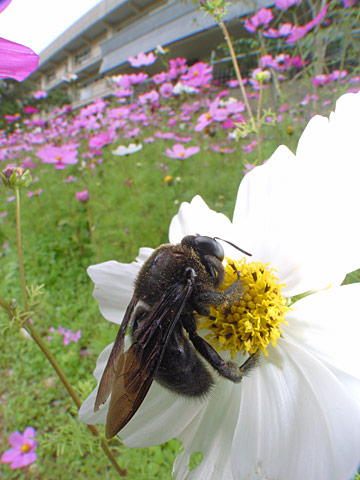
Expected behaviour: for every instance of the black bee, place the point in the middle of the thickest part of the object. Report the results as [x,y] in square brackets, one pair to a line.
[174,283]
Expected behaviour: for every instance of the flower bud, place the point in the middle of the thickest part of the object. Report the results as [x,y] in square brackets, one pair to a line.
[16,177]
[82,196]
[262,76]
[217,8]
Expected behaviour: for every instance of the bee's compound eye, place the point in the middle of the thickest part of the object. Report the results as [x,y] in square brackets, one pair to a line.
[209,246]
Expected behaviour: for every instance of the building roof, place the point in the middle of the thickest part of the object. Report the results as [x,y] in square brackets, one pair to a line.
[140,25]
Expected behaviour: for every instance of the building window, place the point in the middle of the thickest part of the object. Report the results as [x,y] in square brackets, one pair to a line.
[50,76]
[83,55]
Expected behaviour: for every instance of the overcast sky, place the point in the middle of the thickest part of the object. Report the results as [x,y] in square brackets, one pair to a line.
[36,23]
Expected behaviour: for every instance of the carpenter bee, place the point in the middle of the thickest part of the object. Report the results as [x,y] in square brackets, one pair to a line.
[176,282]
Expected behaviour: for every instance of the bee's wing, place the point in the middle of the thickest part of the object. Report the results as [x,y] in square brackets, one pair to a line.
[137,366]
[108,377]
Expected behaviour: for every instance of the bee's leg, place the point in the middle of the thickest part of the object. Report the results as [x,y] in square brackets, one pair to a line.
[227,369]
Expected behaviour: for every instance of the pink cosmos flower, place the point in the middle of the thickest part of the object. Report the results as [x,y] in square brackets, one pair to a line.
[127,81]
[285,4]
[320,80]
[284,30]
[82,196]
[16,61]
[149,97]
[180,152]
[337,75]
[12,118]
[39,94]
[29,110]
[307,99]
[250,147]
[177,66]
[262,18]
[301,31]
[103,138]
[166,89]
[348,3]
[198,75]
[159,78]
[269,61]
[214,114]
[142,60]
[221,148]
[22,452]
[59,155]
[33,194]
[164,135]
[123,92]
[296,62]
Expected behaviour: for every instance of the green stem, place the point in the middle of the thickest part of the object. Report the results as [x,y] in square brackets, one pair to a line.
[19,247]
[91,230]
[41,344]
[236,67]
[258,120]
[38,340]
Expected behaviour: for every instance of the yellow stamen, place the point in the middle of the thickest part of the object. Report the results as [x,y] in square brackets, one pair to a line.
[253,322]
[25,448]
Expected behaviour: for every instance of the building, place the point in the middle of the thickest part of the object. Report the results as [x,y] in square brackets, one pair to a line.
[99,44]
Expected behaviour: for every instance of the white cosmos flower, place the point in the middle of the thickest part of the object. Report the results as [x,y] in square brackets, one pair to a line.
[123,150]
[296,416]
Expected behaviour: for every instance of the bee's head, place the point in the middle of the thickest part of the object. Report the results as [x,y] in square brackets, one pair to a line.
[204,246]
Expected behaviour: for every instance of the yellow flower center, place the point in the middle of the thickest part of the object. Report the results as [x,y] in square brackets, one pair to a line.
[25,448]
[253,322]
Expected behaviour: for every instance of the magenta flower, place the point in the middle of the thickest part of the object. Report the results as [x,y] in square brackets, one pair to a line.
[269,61]
[16,61]
[12,118]
[337,75]
[198,75]
[29,110]
[39,94]
[221,148]
[348,3]
[149,97]
[103,138]
[177,66]
[137,78]
[299,32]
[159,78]
[126,81]
[33,194]
[262,18]
[59,155]
[320,80]
[179,151]
[284,30]
[166,89]
[22,453]
[142,60]
[285,4]
[214,114]
[82,196]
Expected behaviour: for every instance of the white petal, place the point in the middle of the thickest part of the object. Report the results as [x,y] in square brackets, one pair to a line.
[298,213]
[197,217]
[114,285]
[265,219]
[327,324]
[211,433]
[296,421]
[161,417]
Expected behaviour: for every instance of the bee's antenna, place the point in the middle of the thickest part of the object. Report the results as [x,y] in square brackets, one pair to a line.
[233,245]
